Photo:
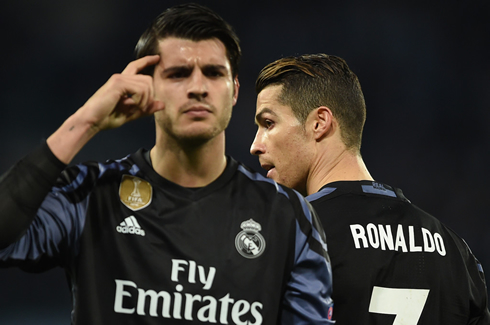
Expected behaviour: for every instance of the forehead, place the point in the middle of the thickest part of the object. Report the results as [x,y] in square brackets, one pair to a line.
[179,51]
[268,104]
[269,98]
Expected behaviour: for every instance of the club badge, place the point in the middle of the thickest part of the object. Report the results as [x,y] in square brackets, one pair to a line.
[134,192]
[249,242]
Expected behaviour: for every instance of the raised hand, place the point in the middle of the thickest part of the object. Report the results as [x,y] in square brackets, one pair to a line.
[123,98]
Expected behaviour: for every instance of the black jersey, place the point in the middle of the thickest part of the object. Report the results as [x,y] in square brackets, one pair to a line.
[139,249]
[393,263]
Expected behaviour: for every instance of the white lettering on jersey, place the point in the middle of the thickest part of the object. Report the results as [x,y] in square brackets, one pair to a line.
[242,312]
[182,265]
[120,294]
[381,237]
[130,226]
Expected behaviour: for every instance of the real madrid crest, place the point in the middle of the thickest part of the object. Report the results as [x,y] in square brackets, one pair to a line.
[134,192]
[249,242]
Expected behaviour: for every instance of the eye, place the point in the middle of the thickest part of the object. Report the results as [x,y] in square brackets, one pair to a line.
[213,73]
[176,75]
[268,123]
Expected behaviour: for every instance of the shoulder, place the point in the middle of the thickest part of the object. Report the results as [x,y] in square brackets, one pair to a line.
[91,172]
[265,184]
[272,193]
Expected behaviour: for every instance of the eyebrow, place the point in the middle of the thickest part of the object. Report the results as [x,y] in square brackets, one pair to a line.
[214,66]
[262,112]
[191,67]
[176,68]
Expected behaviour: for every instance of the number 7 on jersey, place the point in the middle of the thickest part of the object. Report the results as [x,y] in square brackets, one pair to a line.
[406,304]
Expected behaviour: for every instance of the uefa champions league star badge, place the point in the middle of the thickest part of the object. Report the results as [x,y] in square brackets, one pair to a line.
[249,242]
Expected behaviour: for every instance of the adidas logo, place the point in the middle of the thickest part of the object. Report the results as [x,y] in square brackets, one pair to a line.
[130,226]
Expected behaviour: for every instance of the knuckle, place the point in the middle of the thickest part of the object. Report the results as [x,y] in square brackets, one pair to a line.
[115,78]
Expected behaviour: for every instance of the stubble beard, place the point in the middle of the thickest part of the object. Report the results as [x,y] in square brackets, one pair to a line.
[194,136]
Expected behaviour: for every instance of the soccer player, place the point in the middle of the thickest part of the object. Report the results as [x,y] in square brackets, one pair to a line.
[178,234]
[392,262]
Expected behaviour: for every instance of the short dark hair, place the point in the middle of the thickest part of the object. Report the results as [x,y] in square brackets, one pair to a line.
[193,22]
[313,80]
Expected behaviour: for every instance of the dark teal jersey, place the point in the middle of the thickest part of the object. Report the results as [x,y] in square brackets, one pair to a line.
[393,263]
[139,249]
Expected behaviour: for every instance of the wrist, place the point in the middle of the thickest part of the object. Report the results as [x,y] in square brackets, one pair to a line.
[71,137]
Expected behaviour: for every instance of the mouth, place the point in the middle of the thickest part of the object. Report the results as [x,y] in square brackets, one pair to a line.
[197,111]
[269,168]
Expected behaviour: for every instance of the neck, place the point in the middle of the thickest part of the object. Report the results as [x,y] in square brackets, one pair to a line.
[189,165]
[343,165]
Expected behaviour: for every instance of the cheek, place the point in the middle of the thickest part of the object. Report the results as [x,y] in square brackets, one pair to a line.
[224,87]
[295,147]
[166,92]
[160,94]
[295,154]
[159,116]
[228,96]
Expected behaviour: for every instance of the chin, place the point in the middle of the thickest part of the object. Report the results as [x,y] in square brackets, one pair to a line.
[197,139]
[281,181]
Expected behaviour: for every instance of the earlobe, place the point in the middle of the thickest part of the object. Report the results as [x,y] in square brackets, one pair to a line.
[323,122]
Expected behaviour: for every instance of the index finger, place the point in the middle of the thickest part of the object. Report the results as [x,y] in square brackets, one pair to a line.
[137,65]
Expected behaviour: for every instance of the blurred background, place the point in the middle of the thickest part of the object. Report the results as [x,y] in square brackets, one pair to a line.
[423,65]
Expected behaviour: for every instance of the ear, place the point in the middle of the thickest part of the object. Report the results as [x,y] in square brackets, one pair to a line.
[236,87]
[322,122]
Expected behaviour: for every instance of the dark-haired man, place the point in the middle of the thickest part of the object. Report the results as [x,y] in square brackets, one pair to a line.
[179,234]
[392,262]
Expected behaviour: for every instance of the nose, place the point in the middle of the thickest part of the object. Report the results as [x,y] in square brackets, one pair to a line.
[257,148]
[197,85]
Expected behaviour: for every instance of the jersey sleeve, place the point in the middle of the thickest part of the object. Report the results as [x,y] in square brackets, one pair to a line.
[479,313]
[308,293]
[37,223]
